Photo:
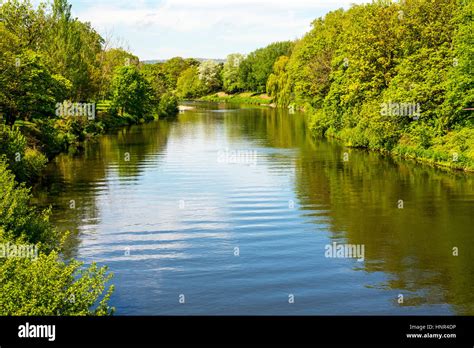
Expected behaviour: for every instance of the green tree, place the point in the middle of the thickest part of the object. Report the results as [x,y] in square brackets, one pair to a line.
[72,49]
[172,69]
[460,83]
[310,64]
[230,72]
[258,65]
[26,23]
[210,75]
[131,92]
[168,105]
[278,85]
[156,78]
[28,89]
[109,61]
[189,84]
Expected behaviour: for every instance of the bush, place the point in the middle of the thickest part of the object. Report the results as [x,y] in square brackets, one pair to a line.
[48,286]
[168,105]
[24,162]
[18,220]
[50,138]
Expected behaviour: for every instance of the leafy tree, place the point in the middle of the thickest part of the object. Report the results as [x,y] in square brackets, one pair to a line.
[230,72]
[460,82]
[189,84]
[109,61]
[310,64]
[172,69]
[18,220]
[258,65]
[210,75]
[26,23]
[131,92]
[278,85]
[156,78]
[28,89]
[168,105]
[72,49]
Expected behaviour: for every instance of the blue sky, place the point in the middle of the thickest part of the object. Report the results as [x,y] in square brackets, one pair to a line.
[163,29]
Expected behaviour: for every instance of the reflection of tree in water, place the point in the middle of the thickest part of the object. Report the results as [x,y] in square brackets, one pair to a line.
[274,126]
[75,180]
[414,244]
[358,199]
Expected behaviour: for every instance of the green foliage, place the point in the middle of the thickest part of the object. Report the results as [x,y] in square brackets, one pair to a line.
[210,75]
[310,64]
[230,73]
[255,69]
[49,137]
[460,81]
[154,75]
[26,23]
[278,84]
[48,286]
[172,69]
[354,63]
[239,98]
[131,93]
[26,163]
[72,48]
[168,105]
[189,84]
[29,90]
[18,220]
[109,61]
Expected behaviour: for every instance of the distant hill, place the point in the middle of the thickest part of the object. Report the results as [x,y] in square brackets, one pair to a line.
[154,61]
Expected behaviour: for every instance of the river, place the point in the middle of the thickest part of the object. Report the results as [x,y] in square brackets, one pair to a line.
[234,210]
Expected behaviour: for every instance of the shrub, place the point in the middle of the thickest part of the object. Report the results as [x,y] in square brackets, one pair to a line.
[24,162]
[168,105]
[48,286]
[18,220]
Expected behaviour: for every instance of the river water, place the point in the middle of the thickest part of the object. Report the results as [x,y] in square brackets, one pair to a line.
[234,210]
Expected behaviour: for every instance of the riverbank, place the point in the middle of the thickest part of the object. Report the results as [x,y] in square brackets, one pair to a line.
[453,151]
[240,98]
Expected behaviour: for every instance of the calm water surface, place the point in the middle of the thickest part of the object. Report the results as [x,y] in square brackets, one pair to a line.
[233,208]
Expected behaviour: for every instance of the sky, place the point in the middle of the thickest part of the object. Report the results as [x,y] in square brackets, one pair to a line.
[162,29]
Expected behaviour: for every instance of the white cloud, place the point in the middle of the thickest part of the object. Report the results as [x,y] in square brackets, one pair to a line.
[174,24]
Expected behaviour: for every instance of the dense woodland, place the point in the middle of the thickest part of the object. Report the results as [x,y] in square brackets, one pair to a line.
[388,76]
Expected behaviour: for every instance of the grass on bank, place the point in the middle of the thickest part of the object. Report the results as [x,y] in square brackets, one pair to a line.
[240,98]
